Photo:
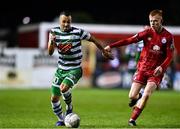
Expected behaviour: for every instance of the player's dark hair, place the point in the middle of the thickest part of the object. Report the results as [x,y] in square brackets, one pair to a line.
[66,13]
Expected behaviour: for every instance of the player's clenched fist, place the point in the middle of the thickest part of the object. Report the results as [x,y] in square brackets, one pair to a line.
[107,54]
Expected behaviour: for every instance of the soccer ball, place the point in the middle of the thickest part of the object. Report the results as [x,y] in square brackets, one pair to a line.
[72,120]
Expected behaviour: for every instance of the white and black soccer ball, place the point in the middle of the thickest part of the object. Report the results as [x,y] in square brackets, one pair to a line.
[72,120]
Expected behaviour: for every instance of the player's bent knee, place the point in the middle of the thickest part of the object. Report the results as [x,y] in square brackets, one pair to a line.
[64,88]
[54,98]
[133,96]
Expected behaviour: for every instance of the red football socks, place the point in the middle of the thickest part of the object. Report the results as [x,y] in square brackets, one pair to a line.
[136,112]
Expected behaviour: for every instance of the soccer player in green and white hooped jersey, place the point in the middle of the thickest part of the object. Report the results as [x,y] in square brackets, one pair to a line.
[67,40]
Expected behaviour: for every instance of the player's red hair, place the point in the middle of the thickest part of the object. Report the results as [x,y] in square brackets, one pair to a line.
[155,12]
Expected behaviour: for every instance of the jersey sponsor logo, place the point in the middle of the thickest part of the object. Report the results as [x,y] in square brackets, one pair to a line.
[156,48]
[163,40]
[65,47]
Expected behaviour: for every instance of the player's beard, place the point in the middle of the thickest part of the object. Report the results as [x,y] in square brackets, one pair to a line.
[66,28]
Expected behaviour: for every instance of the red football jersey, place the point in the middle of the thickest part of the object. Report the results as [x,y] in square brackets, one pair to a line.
[157,51]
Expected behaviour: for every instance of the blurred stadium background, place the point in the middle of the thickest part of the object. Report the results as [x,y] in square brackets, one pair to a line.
[29,65]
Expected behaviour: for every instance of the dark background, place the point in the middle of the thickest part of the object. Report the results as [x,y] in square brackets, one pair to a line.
[134,12]
[109,11]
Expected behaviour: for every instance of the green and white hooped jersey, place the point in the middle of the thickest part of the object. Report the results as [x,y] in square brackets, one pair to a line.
[69,47]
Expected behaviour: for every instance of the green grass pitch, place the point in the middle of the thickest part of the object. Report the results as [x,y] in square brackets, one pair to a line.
[97,108]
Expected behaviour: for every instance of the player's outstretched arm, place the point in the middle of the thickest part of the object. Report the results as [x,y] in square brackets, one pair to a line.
[105,53]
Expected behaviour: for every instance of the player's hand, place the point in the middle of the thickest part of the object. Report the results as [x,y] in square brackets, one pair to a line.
[52,38]
[108,48]
[107,54]
[158,71]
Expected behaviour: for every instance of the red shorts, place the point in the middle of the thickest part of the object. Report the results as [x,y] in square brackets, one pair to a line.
[147,76]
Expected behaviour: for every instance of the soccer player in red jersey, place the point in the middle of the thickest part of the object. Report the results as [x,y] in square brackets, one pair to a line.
[155,57]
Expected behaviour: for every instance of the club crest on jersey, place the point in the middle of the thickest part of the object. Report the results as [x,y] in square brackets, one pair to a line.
[149,38]
[163,40]
[156,48]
